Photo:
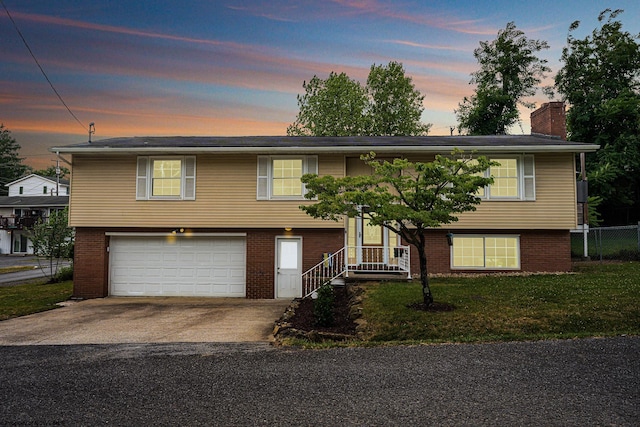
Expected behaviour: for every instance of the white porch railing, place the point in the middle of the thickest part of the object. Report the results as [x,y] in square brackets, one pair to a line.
[325,271]
[371,259]
[357,259]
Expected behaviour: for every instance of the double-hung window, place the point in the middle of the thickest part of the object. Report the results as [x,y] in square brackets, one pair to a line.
[166,178]
[485,252]
[279,176]
[513,179]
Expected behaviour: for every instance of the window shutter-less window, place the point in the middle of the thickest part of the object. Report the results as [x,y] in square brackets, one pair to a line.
[189,178]
[263,178]
[141,179]
[529,178]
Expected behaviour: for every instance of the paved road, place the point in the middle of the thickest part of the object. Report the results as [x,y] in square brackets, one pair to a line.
[17,277]
[16,260]
[570,383]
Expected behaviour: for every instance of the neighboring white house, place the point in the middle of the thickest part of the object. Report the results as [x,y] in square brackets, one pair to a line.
[36,185]
[31,198]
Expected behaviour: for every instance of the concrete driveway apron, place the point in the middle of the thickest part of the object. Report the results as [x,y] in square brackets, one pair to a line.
[147,320]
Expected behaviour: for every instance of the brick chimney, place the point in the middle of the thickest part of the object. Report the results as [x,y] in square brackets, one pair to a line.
[549,119]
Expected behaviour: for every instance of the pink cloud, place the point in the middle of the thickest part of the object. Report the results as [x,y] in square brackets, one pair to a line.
[45,19]
[392,11]
[283,11]
[431,46]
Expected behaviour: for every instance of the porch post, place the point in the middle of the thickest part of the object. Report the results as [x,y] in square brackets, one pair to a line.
[345,250]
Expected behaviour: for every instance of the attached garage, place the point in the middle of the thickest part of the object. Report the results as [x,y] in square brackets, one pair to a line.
[177,265]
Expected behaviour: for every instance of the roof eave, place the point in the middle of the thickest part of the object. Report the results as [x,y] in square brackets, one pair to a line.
[552,148]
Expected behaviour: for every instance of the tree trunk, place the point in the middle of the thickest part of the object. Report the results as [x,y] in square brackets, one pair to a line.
[427,296]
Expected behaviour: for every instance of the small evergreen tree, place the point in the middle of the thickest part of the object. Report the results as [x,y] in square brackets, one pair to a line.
[11,167]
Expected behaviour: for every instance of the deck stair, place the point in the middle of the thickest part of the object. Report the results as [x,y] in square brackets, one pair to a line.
[358,263]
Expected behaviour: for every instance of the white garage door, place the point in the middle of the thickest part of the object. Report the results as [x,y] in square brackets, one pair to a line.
[177,266]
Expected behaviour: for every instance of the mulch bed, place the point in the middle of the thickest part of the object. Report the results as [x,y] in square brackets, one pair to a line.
[305,320]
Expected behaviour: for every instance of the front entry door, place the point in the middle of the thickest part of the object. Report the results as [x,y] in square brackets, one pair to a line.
[369,244]
[372,248]
[288,267]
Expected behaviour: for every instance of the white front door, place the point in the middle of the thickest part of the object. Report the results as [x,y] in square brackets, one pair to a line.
[288,267]
[369,244]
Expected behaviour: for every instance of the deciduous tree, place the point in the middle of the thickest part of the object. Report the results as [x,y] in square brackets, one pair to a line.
[332,107]
[509,72]
[408,198]
[50,172]
[395,105]
[388,105]
[53,240]
[600,79]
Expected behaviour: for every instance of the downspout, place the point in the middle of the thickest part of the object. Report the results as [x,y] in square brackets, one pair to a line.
[585,208]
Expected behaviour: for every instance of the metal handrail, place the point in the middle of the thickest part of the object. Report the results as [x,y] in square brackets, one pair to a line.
[332,267]
[361,259]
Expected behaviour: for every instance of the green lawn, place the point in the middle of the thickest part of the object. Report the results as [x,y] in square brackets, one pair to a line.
[32,298]
[16,269]
[599,300]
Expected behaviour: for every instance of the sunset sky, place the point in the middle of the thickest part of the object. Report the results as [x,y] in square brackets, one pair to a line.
[195,67]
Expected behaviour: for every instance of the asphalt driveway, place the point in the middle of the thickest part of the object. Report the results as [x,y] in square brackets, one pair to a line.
[147,320]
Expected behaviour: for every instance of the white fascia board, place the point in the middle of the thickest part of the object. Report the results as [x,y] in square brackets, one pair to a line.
[569,148]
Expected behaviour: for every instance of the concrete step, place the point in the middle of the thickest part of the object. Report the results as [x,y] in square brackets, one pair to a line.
[374,276]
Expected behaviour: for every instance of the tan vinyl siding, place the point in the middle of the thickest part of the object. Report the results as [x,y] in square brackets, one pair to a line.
[554,207]
[104,194]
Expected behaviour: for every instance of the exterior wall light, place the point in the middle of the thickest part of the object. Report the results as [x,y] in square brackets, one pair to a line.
[288,229]
[450,239]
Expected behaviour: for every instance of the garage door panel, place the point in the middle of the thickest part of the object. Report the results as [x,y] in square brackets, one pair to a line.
[155,266]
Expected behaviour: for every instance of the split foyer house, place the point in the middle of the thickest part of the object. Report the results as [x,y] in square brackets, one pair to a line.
[219,216]
[30,199]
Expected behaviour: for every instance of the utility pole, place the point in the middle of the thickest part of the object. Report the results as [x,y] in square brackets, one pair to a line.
[57,177]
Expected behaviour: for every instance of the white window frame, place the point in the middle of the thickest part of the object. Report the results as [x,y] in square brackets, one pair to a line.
[264,185]
[525,164]
[144,178]
[484,238]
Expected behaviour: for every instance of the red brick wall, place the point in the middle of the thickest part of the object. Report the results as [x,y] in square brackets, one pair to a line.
[540,250]
[261,255]
[544,250]
[549,119]
[92,261]
[90,264]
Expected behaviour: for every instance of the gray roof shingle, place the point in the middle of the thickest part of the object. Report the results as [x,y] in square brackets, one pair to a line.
[33,201]
[309,144]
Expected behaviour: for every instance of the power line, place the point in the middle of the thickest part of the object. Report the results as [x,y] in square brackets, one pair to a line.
[39,66]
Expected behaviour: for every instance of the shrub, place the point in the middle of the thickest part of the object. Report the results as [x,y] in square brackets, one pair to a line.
[64,274]
[323,306]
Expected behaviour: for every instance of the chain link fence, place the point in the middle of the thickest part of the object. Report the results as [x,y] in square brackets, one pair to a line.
[619,243]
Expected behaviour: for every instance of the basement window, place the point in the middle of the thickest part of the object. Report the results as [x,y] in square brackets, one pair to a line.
[470,252]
